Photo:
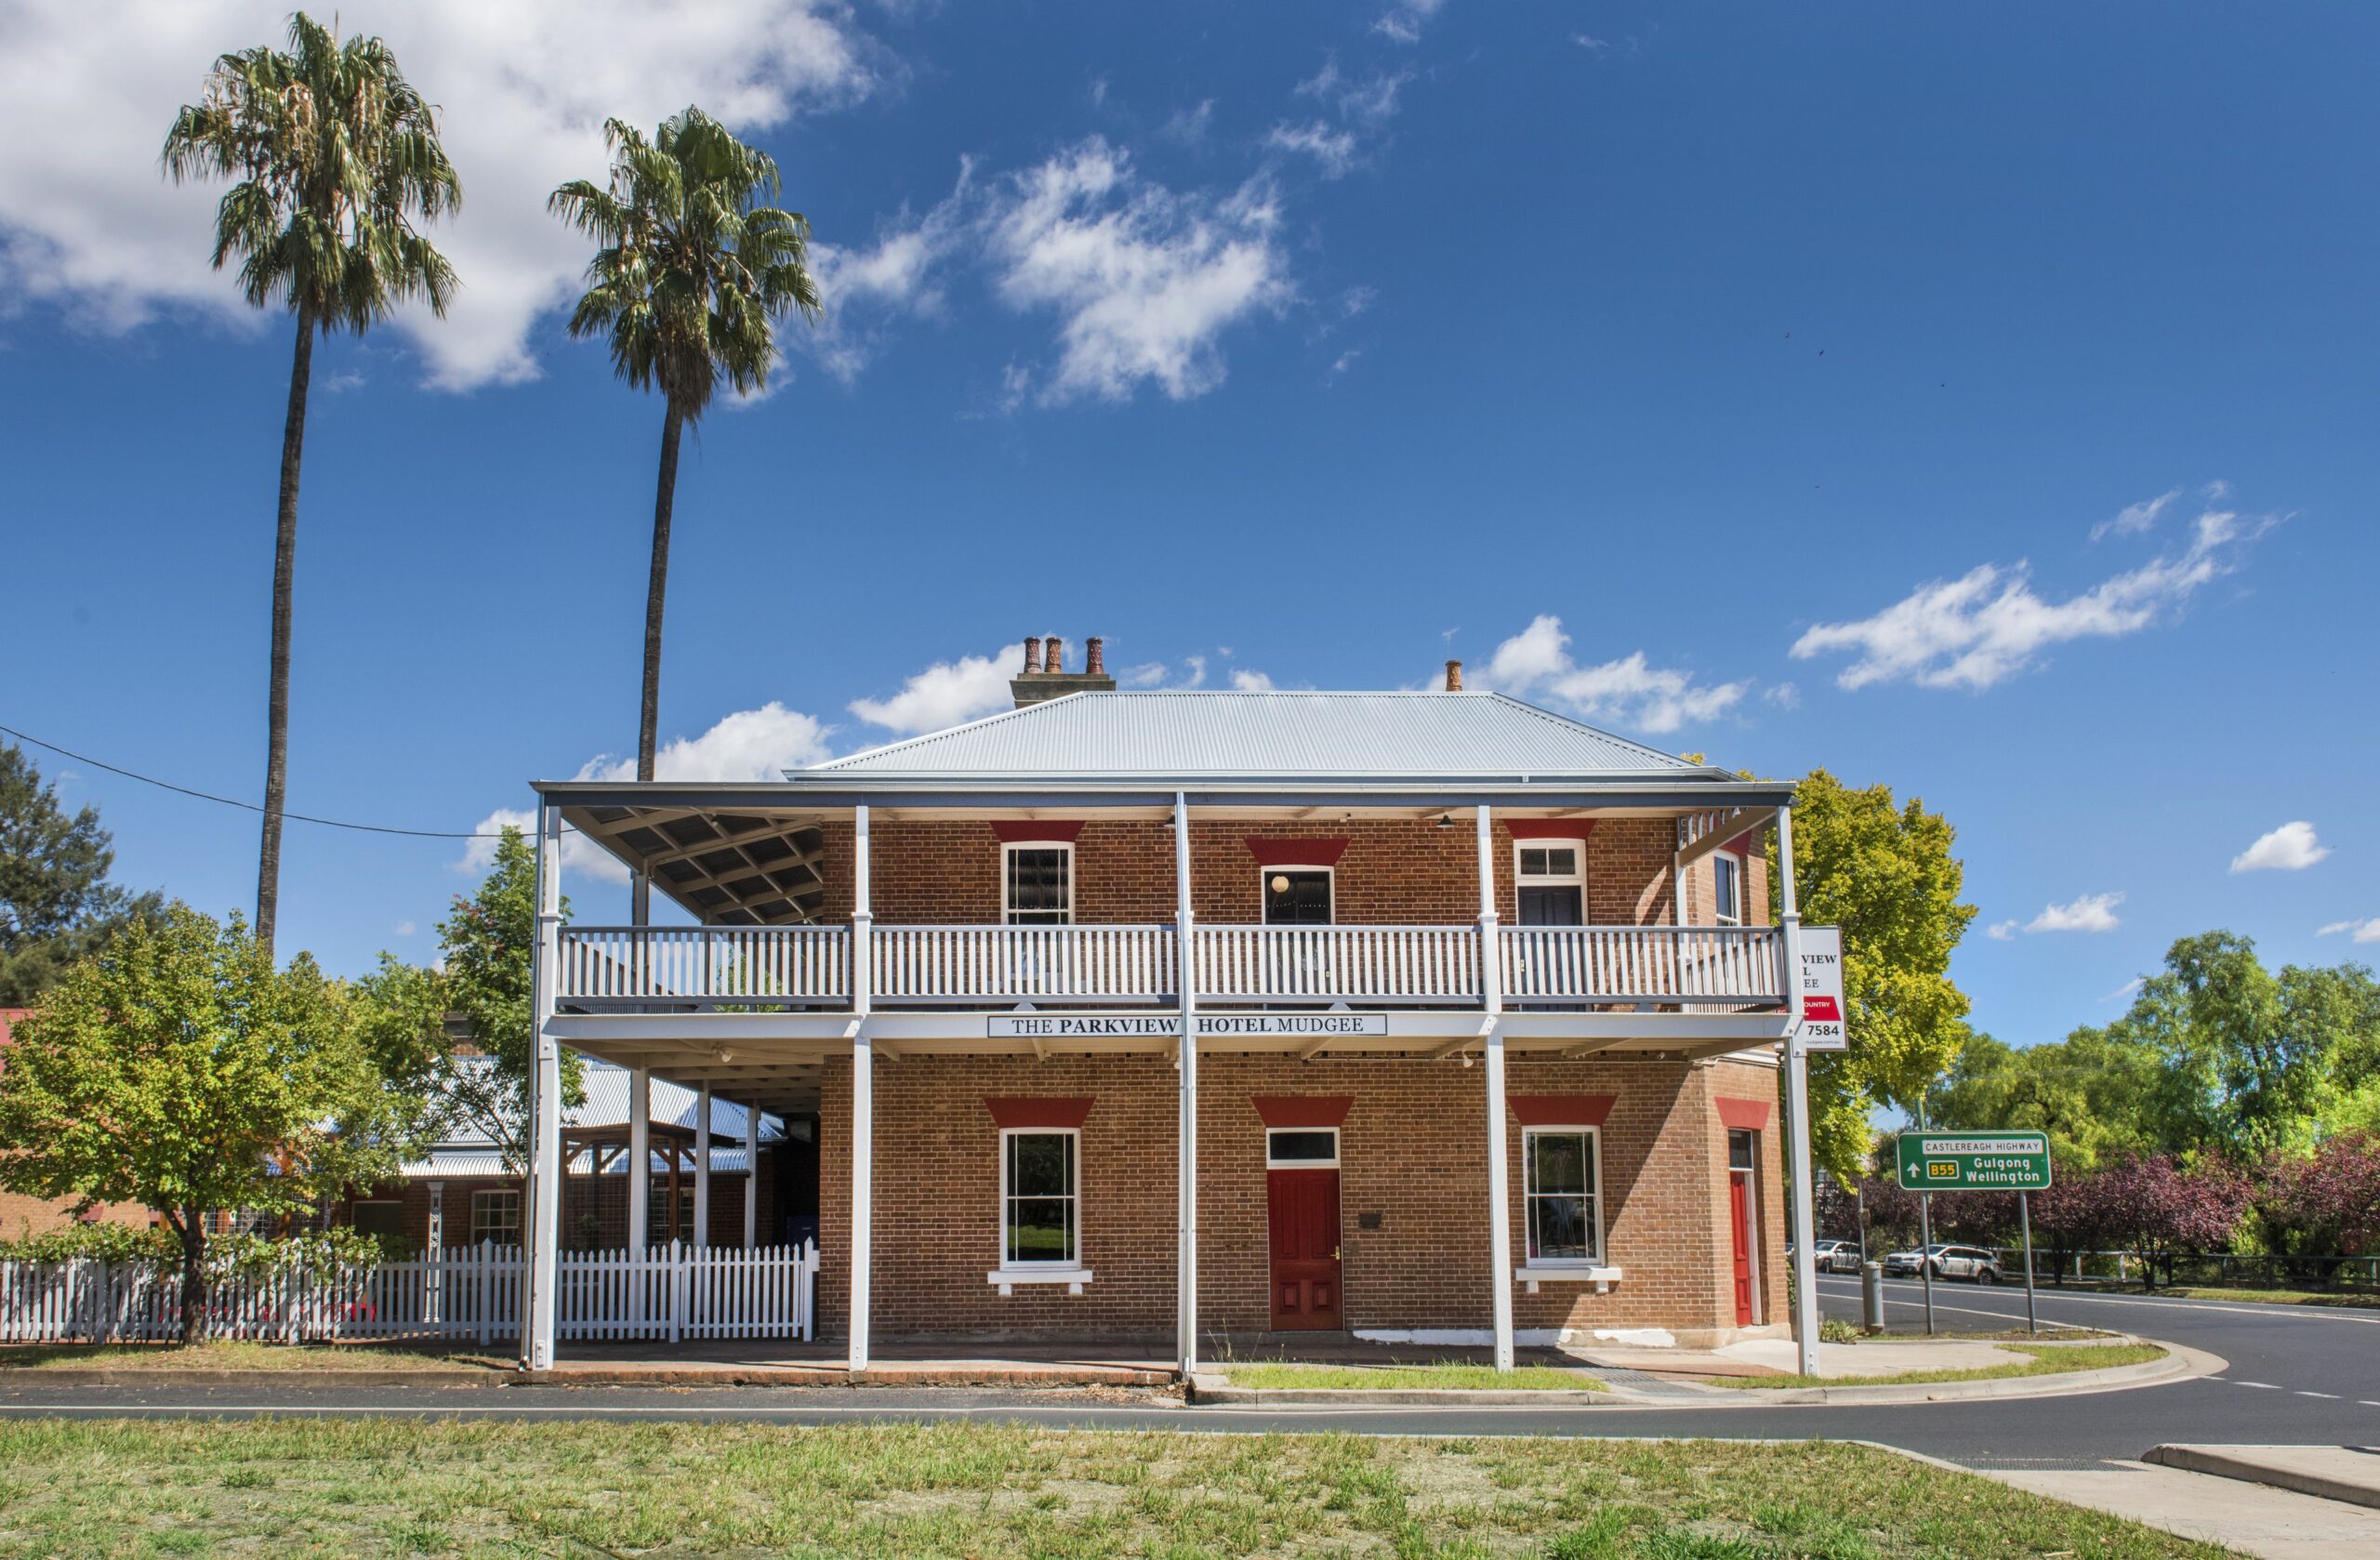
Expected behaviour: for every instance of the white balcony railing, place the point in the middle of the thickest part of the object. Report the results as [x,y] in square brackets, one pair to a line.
[1435,966]
[1700,964]
[1001,966]
[616,965]
[1010,964]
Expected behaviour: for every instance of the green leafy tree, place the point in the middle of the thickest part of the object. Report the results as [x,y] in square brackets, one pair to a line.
[489,940]
[335,157]
[1882,871]
[56,901]
[180,1069]
[2250,1057]
[693,275]
[2094,1094]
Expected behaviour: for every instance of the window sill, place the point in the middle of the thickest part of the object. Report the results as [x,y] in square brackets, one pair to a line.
[1602,1278]
[1006,1278]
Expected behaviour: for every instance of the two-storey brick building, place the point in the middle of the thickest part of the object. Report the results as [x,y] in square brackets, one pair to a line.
[1486,1006]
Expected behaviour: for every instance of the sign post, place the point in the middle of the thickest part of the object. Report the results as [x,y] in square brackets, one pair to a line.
[2018,1162]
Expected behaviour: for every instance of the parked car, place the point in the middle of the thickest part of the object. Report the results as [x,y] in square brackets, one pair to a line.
[1836,1256]
[1970,1262]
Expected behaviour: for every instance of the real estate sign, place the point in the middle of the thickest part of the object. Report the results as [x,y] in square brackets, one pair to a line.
[1975,1162]
[1822,1025]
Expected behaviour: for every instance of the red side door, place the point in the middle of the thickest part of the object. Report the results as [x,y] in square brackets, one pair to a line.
[1303,1206]
[1739,1224]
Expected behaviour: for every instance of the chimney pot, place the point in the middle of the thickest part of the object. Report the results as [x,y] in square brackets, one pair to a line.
[1056,661]
[1032,653]
[1094,650]
[1454,676]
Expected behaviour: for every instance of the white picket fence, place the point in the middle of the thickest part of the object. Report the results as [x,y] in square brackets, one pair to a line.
[668,1292]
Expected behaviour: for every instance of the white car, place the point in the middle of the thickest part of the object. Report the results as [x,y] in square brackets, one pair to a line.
[1970,1262]
[1835,1256]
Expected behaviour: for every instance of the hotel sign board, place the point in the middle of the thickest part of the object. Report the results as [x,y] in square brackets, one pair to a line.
[1822,1018]
[1975,1162]
[1084,1027]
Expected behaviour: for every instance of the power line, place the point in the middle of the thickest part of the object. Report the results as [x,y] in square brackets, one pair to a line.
[246,806]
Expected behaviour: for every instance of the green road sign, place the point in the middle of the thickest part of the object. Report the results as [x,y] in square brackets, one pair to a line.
[1975,1162]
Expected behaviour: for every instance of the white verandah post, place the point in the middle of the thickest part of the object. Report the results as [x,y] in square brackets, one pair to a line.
[751,1174]
[1492,1002]
[1186,1166]
[639,1161]
[863,1095]
[545,1161]
[1797,1103]
[702,1168]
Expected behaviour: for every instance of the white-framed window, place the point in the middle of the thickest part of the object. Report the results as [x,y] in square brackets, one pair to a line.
[1037,883]
[1041,1197]
[1301,1148]
[496,1216]
[1550,881]
[1298,895]
[1562,1169]
[1727,889]
[657,1213]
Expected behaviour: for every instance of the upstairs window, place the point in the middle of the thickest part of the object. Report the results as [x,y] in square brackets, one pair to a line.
[496,1216]
[1727,889]
[1037,884]
[1297,896]
[1549,887]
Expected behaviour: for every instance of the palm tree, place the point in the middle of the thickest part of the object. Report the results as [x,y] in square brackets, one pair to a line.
[335,156]
[688,284]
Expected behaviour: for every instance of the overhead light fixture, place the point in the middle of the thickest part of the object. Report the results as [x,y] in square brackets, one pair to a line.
[1280,883]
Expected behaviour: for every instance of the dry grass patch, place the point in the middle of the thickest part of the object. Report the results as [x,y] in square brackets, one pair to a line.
[239,1355]
[2040,1360]
[118,1491]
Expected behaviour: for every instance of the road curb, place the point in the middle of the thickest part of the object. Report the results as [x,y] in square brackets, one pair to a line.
[2242,1462]
[1208,1388]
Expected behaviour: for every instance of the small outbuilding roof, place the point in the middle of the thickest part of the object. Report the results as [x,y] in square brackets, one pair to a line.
[1269,736]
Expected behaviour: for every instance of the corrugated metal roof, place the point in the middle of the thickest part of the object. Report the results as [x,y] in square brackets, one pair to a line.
[1264,735]
[463,1164]
[607,1106]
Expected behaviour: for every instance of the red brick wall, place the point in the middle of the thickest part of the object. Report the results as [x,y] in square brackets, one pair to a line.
[1412,1151]
[944,871]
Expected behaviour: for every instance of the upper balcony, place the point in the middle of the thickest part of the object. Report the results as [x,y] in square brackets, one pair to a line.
[694,968]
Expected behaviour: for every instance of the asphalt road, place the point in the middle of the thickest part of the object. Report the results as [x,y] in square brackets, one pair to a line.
[2297,1375]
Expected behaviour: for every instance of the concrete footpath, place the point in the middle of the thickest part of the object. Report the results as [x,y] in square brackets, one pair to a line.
[2251,1518]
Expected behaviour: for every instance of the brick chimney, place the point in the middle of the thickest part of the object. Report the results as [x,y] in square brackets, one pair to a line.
[1045,675]
[1454,676]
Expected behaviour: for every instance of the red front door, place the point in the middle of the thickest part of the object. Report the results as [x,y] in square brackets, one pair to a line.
[1739,1223]
[1304,1209]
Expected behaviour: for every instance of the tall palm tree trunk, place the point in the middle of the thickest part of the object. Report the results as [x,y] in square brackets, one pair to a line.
[657,593]
[285,568]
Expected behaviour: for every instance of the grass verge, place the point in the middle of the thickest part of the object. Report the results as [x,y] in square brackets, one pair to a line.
[2043,1359]
[232,1356]
[1442,1375]
[2364,1301]
[121,1490]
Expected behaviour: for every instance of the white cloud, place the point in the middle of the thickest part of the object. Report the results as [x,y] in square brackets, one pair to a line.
[1144,280]
[2133,519]
[2002,932]
[1990,625]
[1188,127]
[2290,848]
[404,928]
[947,693]
[1784,695]
[749,744]
[1536,662]
[1370,101]
[902,272]
[1402,23]
[1247,681]
[87,226]
[2126,992]
[1593,45]
[2364,931]
[1333,150]
[2093,912]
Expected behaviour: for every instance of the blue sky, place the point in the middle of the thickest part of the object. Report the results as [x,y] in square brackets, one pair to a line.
[1315,344]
